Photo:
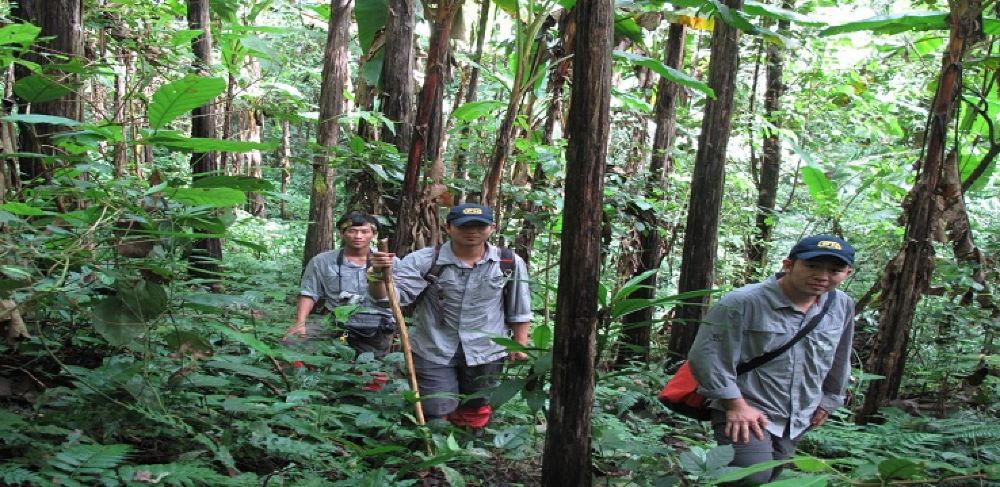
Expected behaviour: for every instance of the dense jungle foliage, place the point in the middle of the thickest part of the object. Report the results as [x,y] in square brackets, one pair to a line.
[133,357]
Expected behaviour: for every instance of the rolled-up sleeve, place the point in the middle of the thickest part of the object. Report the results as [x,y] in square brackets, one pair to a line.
[312,283]
[835,383]
[518,307]
[408,275]
[716,351]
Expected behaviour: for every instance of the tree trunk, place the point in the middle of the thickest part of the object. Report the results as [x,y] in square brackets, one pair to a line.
[702,228]
[770,164]
[906,277]
[285,163]
[397,73]
[462,157]
[566,460]
[319,234]
[121,149]
[637,326]
[207,253]
[62,28]
[418,221]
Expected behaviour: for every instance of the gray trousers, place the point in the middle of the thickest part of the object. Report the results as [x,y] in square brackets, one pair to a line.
[756,451]
[441,386]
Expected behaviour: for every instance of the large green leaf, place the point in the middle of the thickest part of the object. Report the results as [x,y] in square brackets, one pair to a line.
[125,315]
[175,99]
[666,71]
[18,34]
[38,118]
[242,183]
[752,7]
[892,24]
[198,144]
[371,16]
[211,197]
[820,187]
[39,88]
[899,468]
[476,109]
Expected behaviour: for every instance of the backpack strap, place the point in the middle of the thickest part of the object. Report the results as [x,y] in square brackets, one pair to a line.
[767,357]
[507,267]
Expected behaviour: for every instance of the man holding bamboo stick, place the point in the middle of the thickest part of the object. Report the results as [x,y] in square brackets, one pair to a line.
[467,292]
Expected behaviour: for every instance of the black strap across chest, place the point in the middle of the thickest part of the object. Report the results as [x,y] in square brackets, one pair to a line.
[767,357]
[340,264]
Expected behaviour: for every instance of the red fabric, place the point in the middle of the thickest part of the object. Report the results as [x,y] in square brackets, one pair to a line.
[683,389]
[474,417]
[379,379]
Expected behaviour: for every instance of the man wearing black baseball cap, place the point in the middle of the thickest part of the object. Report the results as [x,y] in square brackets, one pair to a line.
[763,412]
[467,292]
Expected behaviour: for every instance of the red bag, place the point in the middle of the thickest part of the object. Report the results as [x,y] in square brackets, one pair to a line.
[682,397]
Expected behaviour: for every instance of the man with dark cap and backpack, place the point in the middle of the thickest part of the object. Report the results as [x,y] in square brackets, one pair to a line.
[763,412]
[467,292]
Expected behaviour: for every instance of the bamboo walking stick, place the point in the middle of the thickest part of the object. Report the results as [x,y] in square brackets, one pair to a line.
[404,337]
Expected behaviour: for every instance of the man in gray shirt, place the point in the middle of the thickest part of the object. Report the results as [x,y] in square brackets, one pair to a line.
[764,412]
[459,311]
[339,278]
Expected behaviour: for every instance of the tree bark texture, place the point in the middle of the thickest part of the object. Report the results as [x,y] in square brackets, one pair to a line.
[667,97]
[461,172]
[906,277]
[637,326]
[566,459]
[60,20]
[770,164]
[207,252]
[397,73]
[285,163]
[418,220]
[701,232]
[319,234]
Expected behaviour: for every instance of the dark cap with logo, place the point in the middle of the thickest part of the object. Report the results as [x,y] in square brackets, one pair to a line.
[823,245]
[468,213]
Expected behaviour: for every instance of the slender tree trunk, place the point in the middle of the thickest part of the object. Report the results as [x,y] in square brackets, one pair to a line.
[638,325]
[285,163]
[62,33]
[9,180]
[906,277]
[770,164]
[207,253]
[566,460]
[462,157]
[121,101]
[418,222]
[250,122]
[701,233]
[319,234]
[397,73]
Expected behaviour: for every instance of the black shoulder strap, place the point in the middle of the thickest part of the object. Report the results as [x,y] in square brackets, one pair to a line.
[435,269]
[767,357]
[507,268]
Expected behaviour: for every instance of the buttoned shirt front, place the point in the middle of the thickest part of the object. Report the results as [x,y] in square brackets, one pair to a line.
[756,319]
[338,284]
[462,309]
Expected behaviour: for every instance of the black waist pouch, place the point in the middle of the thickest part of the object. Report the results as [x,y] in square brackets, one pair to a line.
[370,324]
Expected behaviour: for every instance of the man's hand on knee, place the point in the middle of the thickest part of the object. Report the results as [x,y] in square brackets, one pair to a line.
[819,417]
[742,420]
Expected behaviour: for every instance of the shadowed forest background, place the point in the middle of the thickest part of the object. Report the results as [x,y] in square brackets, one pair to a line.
[168,166]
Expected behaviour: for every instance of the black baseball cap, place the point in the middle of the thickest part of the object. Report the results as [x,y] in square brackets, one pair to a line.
[823,245]
[470,212]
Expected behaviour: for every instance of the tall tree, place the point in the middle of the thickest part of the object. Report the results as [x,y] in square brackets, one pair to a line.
[418,219]
[461,172]
[61,35]
[906,277]
[319,234]
[638,325]
[770,164]
[566,460]
[207,251]
[701,232]
[397,73]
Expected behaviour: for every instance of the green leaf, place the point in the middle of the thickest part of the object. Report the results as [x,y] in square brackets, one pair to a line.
[626,26]
[86,460]
[541,336]
[198,144]
[899,468]
[506,391]
[811,464]
[820,187]
[18,34]
[820,481]
[730,476]
[667,72]
[212,197]
[758,9]
[175,99]
[37,118]
[126,315]
[39,88]
[242,183]
[893,24]
[23,209]
[371,16]
[476,109]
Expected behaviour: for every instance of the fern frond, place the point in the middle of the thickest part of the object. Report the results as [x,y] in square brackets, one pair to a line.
[182,474]
[12,474]
[89,460]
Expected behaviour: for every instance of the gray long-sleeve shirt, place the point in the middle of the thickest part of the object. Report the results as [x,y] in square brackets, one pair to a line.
[758,318]
[464,309]
[339,284]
